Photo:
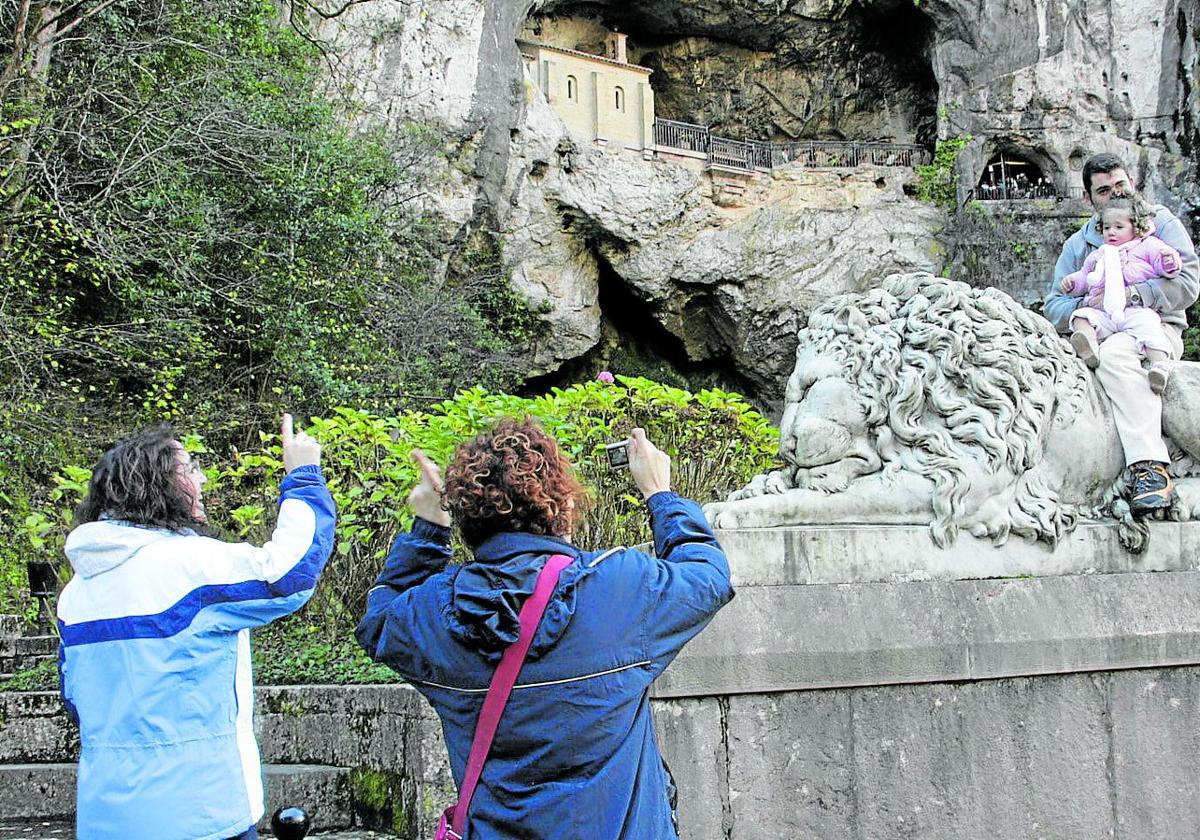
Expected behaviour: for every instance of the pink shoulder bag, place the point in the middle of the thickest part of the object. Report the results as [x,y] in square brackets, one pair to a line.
[453,823]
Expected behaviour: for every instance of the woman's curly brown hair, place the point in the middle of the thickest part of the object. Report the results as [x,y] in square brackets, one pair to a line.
[513,478]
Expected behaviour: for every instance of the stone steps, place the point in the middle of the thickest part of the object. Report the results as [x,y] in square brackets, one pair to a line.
[29,646]
[20,652]
[354,756]
[36,830]
[35,729]
[46,792]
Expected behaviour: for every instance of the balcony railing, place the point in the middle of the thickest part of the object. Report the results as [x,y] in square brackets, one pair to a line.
[1030,192]
[748,155]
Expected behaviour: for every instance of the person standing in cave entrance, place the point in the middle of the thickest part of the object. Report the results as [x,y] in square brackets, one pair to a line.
[1137,409]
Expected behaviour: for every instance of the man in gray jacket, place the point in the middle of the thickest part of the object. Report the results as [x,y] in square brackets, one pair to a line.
[1136,409]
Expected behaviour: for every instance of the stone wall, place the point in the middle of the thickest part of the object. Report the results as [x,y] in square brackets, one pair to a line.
[862,684]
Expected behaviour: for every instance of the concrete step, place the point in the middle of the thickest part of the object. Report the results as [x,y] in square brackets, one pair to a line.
[11,625]
[35,728]
[11,664]
[387,733]
[20,652]
[29,646]
[342,726]
[36,830]
[46,792]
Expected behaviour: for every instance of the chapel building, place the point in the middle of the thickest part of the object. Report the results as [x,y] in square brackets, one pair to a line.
[602,99]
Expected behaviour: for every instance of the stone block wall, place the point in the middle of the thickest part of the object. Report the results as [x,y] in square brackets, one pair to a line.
[833,701]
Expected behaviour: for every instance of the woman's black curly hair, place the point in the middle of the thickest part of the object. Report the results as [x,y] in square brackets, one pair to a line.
[513,478]
[138,481]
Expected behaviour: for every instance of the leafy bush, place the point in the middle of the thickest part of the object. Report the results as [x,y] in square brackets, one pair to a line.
[937,182]
[294,652]
[715,439]
[1191,335]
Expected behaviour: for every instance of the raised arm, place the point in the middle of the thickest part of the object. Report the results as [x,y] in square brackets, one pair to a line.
[690,578]
[262,583]
[415,557]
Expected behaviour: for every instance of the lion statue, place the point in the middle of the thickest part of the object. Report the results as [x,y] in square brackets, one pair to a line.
[929,401]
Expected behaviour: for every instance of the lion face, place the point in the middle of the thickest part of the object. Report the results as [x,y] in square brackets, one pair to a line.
[824,421]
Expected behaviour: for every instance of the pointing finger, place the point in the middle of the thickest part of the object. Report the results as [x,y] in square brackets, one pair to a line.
[429,470]
[285,430]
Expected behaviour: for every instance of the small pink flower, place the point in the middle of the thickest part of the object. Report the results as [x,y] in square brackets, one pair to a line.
[605,376]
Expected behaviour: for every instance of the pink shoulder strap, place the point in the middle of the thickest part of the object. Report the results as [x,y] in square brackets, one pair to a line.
[502,685]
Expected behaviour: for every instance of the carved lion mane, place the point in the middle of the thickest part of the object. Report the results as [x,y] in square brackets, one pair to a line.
[927,400]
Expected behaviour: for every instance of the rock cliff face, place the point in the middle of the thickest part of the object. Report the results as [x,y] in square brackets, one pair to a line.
[1057,82]
[730,266]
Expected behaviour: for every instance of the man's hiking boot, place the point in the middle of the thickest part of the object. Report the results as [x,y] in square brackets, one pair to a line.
[1153,489]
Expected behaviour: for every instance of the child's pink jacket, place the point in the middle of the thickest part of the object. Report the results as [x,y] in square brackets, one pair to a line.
[1141,260]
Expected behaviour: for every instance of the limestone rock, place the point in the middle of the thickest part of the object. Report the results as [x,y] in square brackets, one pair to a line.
[731,268]
[734,279]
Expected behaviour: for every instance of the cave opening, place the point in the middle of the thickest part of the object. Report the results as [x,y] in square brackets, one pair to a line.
[634,343]
[861,72]
[1008,176]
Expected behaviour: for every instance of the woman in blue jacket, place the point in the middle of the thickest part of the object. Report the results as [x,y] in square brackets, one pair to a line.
[155,623]
[575,756]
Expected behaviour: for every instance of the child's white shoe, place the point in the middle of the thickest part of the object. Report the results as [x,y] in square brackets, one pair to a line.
[1086,348]
[1159,373]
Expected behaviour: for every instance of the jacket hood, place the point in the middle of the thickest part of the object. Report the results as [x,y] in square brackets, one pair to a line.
[95,547]
[487,594]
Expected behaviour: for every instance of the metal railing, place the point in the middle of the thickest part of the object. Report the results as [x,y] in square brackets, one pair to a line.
[748,155]
[733,154]
[681,135]
[1032,192]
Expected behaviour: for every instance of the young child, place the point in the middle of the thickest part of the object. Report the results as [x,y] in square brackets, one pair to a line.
[1130,255]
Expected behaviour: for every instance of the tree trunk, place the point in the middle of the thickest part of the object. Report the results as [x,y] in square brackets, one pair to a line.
[31,94]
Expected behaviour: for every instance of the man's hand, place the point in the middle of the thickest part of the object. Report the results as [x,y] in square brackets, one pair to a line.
[649,465]
[426,498]
[299,449]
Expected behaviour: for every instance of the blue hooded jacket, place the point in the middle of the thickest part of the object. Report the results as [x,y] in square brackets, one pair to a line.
[155,665]
[575,755]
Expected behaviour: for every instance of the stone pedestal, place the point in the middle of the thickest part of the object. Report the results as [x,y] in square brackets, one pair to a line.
[864,683]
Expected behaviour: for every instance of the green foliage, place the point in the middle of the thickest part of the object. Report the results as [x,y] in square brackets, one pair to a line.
[1191,335]
[294,651]
[716,440]
[205,242]
[378,799]
[40,677]
[937,182]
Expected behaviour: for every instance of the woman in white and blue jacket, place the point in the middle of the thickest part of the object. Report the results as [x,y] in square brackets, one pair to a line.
[575,756]
[155,658]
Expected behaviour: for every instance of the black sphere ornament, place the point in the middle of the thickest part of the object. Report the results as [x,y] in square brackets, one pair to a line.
[290,823]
